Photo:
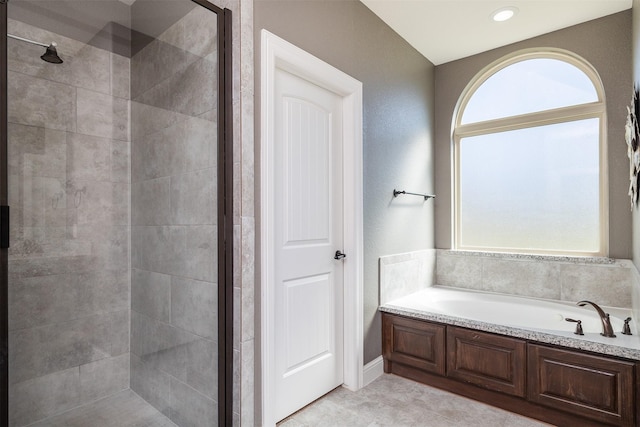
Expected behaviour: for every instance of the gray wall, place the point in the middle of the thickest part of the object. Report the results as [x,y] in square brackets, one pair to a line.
[69,256]
[173,221]
[636,80]
[398,110]
[606,44]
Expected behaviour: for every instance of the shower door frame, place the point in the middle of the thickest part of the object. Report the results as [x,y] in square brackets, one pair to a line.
[4,201]
[224,215]
[225,212]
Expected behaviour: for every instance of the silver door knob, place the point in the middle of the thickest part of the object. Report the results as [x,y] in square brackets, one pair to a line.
[339,255]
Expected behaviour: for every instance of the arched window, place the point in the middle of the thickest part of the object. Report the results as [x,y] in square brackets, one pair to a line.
[529,149]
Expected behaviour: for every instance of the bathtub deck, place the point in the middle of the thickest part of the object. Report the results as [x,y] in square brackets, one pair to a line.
[418,306]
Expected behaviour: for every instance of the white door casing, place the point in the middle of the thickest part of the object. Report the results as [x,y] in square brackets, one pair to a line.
[287,244]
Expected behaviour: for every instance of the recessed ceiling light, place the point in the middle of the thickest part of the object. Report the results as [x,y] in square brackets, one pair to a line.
[504,14]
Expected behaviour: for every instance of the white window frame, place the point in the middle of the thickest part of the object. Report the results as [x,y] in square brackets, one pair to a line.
[546,117]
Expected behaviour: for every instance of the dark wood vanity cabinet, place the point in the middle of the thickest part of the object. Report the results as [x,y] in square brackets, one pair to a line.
[599,388]
[489,361]
[560,386]
[413,343]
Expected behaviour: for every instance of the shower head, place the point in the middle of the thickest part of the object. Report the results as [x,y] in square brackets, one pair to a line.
[51,55]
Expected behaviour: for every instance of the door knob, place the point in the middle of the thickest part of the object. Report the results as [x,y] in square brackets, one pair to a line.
[339,255]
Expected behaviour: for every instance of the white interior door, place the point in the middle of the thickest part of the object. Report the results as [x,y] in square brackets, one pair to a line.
[308,213]
[311,206]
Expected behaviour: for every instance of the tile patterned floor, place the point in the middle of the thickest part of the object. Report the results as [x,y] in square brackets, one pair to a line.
[394,401]
[123,409]
[388,401]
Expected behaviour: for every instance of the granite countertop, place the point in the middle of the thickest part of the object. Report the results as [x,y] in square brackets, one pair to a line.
[626,346]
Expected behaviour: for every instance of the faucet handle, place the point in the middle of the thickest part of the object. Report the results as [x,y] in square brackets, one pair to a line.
[578,325]
[626,329]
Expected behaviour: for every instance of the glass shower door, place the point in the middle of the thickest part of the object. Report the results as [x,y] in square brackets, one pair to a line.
[114,182]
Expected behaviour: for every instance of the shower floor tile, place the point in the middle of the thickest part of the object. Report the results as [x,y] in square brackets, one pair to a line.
[123,409]
[395,401]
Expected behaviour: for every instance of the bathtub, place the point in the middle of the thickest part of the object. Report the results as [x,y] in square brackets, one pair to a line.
[529,318]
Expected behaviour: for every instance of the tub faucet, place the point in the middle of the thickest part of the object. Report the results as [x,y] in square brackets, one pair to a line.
[607,329]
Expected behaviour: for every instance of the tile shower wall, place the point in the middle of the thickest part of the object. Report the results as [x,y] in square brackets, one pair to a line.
[174,246]
[69,194]
[606,281]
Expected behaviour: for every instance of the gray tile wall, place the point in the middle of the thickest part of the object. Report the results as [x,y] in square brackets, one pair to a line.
[69,304]
[174,239]
[607,282]
[406,273]
[246,368]
[635,297]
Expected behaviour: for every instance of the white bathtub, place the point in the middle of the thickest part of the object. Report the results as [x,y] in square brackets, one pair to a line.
[510,311]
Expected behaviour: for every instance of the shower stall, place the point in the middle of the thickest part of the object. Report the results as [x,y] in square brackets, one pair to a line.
[115,210]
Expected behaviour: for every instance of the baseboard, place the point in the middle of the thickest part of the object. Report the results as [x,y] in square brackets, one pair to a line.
[372,370]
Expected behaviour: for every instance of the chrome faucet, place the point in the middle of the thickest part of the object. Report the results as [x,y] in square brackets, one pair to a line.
[607,329]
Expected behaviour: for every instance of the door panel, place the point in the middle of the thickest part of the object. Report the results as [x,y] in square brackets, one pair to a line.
[308,323]
[308,232]
[307,130]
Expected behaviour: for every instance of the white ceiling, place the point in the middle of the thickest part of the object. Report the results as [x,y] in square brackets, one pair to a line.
[446,30]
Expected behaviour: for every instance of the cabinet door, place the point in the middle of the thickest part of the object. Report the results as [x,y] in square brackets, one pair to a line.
[595,387]
[490,361]
[415,343]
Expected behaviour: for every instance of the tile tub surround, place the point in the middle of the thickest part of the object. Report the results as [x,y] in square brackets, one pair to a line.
[605,281]
[635,297]
[69,307]
[404,274]
[174,350]
[417,306]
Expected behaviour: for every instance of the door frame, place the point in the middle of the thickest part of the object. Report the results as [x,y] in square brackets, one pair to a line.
[280,54]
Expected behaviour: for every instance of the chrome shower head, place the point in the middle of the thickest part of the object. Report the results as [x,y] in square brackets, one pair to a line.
[51,55]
